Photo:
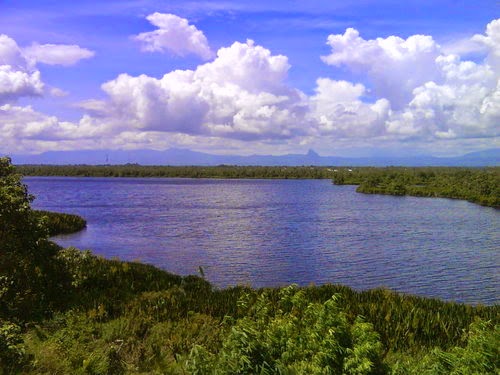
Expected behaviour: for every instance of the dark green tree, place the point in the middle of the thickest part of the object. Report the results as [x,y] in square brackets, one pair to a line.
[31,278]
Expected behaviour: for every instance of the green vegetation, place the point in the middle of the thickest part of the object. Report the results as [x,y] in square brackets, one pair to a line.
[478,185]
[64,311]
[135,170]
[59,223]
[31,276]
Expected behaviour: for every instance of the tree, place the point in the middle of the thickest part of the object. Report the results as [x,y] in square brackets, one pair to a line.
[31,278]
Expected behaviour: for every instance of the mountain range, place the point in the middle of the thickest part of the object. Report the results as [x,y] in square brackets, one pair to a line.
[176,156]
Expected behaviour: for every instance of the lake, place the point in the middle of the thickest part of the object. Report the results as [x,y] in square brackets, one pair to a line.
[277,232]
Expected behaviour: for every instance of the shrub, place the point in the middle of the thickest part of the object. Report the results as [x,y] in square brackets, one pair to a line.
[12,352]
[292,336]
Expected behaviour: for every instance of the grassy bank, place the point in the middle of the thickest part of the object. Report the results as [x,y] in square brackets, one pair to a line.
[60,223]
[477,185]
[121,317]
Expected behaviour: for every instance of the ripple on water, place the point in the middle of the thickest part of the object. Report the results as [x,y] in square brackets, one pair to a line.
[276,232]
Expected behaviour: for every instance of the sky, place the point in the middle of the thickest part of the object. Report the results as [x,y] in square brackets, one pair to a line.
[345,78]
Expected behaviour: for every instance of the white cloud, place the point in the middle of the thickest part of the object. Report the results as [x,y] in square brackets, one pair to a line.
[57,92]
[23,122]
[490,106]
[241,94]
[18,77]
[491,40]
[175,35]
[11,54]
[57,54]
[464,47]
[412,90]
[16,83]
[428,94]
[338,110]
[394,66]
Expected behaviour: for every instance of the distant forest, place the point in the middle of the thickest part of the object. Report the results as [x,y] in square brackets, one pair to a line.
[135,170]
[477,185]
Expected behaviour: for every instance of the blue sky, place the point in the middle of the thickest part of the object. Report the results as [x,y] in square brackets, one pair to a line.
[341,77]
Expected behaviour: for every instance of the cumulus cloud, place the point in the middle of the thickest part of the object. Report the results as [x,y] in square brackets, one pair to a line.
[23,122]
[16,83]
[23,129]
[11,54]
[175,35]
[394,66]
[57,54]
[421,92]
[18,77]
[241,94]
[408,90]
[339,110]
[491,40]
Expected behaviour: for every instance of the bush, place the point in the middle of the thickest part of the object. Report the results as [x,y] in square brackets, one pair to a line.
[479,354]
[292,336]
[12,352]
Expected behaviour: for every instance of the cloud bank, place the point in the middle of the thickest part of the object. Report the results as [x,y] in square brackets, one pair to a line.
[241,94]
[404,90]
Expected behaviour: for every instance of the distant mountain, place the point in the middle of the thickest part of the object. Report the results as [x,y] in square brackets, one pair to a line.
[175,156]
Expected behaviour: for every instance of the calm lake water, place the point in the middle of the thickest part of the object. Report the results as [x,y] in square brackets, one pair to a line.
[277,232]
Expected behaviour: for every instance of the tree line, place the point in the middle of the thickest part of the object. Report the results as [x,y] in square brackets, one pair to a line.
[135,170]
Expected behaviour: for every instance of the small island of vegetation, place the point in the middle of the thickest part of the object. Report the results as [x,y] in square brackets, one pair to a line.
[65,311]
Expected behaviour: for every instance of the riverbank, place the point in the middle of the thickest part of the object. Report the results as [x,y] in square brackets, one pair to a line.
[127,317]
[476,185]
[123,317]
[61,223]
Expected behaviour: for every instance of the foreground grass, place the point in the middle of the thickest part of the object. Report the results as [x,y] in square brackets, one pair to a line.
[126,317]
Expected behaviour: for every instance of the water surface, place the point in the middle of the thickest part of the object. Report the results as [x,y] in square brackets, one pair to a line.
[277,232]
